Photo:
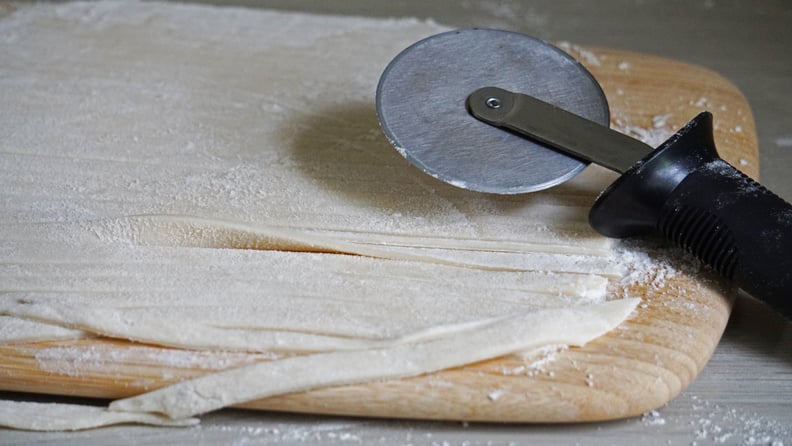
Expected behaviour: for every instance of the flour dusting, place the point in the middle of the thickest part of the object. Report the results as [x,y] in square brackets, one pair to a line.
[587,56]
[653,418]
[712,424]
[93,359]
[784,141]
[653,136]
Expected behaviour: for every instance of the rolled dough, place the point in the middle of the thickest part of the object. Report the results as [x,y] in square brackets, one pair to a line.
[232,190]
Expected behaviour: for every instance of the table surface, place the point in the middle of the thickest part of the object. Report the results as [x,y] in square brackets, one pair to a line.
[744,394]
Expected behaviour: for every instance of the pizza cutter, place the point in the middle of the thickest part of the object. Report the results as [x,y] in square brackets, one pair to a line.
[501,112]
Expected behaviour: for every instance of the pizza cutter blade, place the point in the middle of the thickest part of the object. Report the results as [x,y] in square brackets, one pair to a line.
[501,112]
[421,107]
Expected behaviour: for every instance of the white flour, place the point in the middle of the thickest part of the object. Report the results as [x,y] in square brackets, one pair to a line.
[713,424]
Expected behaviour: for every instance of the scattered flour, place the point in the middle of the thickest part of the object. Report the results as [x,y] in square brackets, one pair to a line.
[642,262]
[588,57]
[311,432]
[654,136]
[701,102]
[496,394]
[659,121]
[784,141]
[711,424]
[653,418]
[536,361]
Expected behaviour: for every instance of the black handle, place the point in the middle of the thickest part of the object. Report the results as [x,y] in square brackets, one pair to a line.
[730,222]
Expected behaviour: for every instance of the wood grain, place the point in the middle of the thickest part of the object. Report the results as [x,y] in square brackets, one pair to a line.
[641,365]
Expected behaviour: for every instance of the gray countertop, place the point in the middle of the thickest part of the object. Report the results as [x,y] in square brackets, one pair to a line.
[744,395]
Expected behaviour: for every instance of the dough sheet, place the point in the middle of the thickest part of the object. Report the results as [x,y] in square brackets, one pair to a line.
[231,191]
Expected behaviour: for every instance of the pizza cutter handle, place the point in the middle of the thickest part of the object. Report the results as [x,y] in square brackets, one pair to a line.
[687,193]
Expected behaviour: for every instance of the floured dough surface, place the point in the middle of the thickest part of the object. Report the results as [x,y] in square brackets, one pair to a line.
[231,190]
[17,330]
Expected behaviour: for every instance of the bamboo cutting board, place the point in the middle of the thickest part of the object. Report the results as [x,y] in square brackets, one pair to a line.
[639,366]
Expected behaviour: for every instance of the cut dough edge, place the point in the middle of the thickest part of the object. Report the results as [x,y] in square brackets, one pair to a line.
[194,231]
[174,405]
[82,313]
[498,338]
[178,332]
[200,232]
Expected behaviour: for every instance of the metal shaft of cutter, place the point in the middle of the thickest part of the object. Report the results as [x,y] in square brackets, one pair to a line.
[557,128]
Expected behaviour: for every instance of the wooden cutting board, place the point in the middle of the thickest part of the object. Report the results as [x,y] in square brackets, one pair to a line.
[639,366]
